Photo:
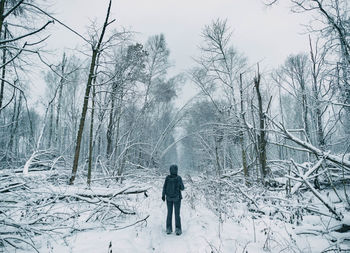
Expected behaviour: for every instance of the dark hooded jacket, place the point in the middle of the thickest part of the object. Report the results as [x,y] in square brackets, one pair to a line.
[173,176]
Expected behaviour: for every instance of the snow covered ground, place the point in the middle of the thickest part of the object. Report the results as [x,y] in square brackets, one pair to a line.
[202,231]
[242,231]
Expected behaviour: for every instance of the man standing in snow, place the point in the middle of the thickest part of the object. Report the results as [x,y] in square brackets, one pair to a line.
[172,188]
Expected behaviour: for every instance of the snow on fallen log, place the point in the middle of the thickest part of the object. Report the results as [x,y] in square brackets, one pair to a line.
[15,240]
[307,174]
[231,174]
[330,207]
[28,163]
[92,192]
[303,178]
[336,159]
[11,186]
[34,206]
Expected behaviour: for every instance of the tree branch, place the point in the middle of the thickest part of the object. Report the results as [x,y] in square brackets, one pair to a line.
[26,35]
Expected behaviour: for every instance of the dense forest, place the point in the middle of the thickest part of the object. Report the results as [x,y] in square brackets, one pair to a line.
[268,147]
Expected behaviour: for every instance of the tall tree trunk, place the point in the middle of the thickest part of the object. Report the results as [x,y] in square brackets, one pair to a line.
[15,122]
[346,85]
[3,71]
[117,136]
[59,104]
[241,133]
[2,10]
[255,140]
[95,52]
[281,151]
[316,88]
[262,134]
[109,134]
[12,126]
[82,118]
[319,124]
[117,131]
[305,110]
[217,159]
[51,126]
[91,136]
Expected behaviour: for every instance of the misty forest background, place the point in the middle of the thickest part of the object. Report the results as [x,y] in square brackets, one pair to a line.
[109,115]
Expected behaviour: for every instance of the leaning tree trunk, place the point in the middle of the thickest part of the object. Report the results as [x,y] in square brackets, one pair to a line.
[95,52]
[82,118]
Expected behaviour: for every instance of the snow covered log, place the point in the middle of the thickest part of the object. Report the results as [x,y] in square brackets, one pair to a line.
[307,174]
[303,178]
[93,192]
[330,207]
[318,152]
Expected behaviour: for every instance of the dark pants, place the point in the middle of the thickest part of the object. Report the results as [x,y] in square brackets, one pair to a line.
[176,205]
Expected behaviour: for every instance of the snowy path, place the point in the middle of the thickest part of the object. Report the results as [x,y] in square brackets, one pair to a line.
[200,232]
[199,227]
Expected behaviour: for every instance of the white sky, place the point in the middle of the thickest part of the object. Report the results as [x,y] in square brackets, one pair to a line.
[268,34]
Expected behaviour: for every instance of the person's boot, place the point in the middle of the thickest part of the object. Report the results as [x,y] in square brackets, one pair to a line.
[178,231]
[168,231]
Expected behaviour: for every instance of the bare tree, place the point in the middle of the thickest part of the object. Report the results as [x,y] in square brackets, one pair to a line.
[331,22]
[127,70]
[96,47]
[20,37]
[218,72]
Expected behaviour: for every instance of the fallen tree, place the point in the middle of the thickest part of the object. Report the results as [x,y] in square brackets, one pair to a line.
[33,205]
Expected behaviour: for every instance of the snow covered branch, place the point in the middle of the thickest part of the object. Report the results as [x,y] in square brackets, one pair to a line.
[318,152]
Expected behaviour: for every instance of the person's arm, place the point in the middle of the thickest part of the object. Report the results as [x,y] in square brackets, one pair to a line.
[182,187]
[164,187]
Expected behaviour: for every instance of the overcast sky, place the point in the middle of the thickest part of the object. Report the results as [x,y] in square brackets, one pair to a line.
[261,33]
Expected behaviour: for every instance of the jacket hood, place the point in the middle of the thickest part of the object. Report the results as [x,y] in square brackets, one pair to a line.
[173,170]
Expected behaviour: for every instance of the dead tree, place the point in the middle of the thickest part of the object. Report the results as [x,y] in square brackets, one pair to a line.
[262,142]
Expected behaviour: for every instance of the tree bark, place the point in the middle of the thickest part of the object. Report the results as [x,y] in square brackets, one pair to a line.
[316,87]
[241,134]
[3,71]
[16,111]
[109,135]
[262,133]
[91,137]
[2,10]
[51,126]
[305,109]
[59,103]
